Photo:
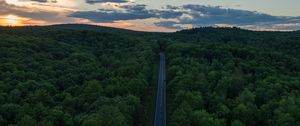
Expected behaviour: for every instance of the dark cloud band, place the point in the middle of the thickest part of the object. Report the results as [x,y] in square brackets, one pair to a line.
[133,12]
[105,1]
[41,1]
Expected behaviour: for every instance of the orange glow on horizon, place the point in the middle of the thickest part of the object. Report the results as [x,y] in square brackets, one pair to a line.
[131,26]
[12,20]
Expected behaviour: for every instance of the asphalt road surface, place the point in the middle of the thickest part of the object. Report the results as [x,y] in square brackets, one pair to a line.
[160,111]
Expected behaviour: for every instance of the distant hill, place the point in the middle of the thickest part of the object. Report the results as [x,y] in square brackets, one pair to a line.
[88,27]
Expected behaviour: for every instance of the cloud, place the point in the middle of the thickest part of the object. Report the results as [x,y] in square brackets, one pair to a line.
[215,15]
[41,1]
[132,12]
[169,24]
[105,1]
[191,16]
[168,17]
[203,15]
[34,15]
[110,17]
[188,15]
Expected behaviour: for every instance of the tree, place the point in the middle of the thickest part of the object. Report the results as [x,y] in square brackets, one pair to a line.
[181,115]
[237,123]
[27,121]
[202,118]
[93,89]
[93,121]
[111,116]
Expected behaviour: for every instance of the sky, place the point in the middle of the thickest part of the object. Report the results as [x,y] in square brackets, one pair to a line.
[155,15]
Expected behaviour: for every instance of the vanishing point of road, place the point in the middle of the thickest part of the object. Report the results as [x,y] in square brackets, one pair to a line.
[160,111]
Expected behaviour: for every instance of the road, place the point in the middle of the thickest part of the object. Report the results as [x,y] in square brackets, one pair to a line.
[160,111]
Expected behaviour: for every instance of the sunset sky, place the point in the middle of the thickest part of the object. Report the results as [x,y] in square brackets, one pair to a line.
[154,15]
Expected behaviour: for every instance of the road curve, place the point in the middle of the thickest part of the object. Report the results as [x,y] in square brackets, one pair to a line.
[160,111]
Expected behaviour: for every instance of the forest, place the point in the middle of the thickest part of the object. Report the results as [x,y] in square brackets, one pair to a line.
[81,75]
[57,77]
[233,77]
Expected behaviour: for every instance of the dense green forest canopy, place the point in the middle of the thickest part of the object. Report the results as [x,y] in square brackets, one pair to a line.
[83,75]
[233,77]
[60,77]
